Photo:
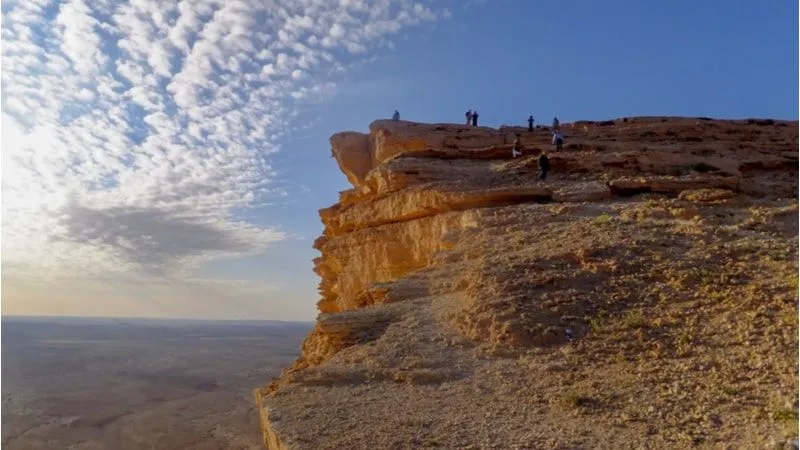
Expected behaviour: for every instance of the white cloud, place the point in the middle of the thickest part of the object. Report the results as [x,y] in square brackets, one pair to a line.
[337,31]
[79,42]
[159,60]
[85,95]
[132,131]
[356,47]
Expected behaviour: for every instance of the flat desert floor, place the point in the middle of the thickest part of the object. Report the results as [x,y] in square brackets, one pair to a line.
[138,384]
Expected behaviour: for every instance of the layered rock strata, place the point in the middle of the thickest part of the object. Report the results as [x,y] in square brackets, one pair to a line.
[447,262]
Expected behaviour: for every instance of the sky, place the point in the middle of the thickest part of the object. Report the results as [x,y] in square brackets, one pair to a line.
[168,158]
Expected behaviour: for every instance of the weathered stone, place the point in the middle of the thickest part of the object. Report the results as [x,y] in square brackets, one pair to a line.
[424,201]
[584,191]
[394,137]
[354,155]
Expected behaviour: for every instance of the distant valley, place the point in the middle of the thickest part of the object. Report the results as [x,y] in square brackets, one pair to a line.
[101,383]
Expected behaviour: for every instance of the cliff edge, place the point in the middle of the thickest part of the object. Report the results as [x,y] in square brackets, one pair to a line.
[644,296]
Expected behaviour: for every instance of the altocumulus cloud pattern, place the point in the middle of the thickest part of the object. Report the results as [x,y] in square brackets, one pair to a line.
[133,131]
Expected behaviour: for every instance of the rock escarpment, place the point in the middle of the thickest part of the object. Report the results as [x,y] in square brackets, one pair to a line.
[465,305]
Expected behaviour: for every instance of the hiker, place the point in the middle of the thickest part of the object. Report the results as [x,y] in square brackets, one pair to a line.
[530,124]
[517,150]
[474,118]
[558,140]
[469,116]
[544,167]
[396,115]
[555,123]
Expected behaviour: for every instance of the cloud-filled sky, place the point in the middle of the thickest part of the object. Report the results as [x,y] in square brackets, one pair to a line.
[167,158]
[132,132]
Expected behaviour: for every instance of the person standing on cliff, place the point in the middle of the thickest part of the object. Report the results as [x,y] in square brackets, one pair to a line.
[558,140]
[468,115]
[556,123]
[544,167]
[396,115]
[474,118]
[530,124]
[517,150]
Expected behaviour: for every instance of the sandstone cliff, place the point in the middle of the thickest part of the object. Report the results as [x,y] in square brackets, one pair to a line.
[643,296]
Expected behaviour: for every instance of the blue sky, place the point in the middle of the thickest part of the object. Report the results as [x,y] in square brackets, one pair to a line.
[187,178]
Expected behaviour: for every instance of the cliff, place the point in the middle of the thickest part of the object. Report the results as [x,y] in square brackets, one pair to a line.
[643,296]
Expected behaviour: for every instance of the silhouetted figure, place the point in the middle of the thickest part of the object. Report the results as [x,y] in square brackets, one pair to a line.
[517,150]
[558,140]
[474,118]
[544,167]
[468,115]
[530,124]
[396,115]
[555,123]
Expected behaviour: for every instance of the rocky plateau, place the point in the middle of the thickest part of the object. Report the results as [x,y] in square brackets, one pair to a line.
[644,296]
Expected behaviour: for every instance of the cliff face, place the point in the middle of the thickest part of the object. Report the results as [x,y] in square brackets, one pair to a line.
[464,303]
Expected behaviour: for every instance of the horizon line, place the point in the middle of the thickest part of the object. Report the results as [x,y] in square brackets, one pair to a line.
[192,319]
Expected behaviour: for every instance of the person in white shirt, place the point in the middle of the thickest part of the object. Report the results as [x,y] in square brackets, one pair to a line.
[517,150]
[558,140]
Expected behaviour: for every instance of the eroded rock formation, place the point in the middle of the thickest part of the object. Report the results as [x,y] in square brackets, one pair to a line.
[450,276]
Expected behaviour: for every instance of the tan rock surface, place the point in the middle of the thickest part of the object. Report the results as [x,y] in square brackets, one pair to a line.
[353,153]
[643,297]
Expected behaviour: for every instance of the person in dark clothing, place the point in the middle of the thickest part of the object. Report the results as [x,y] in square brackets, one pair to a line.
[530,124]
[468,115]
[396,115]
[544,167]
[474,118]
